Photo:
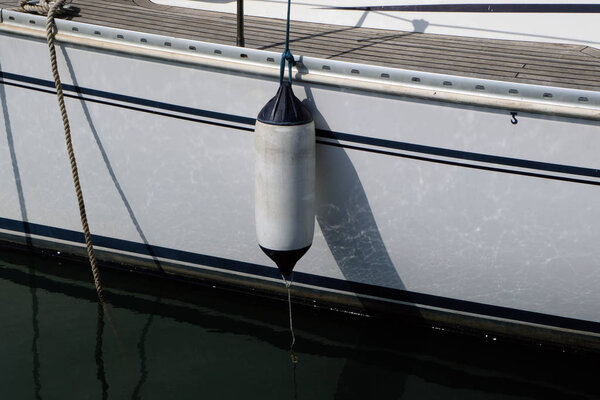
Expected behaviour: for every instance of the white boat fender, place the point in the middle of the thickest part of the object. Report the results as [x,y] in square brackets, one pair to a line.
[284,179]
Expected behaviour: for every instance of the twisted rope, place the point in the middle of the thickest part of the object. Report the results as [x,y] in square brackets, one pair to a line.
[52,9]
[288,285]
[41,7]
[287,54]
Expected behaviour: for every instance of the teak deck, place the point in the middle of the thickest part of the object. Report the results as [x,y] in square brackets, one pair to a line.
[561,65]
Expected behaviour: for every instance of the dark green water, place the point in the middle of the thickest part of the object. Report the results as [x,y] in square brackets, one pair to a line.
[165,340]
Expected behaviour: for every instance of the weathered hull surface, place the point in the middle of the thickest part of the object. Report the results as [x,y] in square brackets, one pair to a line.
[448,208]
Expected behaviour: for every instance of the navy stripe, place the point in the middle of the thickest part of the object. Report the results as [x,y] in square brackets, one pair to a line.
[227,119]
[463,165]
[462,155]
[133,108]
[304,278]
[487,8]
[132,100]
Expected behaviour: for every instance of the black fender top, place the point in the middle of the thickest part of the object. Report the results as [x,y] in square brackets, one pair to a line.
[284,109]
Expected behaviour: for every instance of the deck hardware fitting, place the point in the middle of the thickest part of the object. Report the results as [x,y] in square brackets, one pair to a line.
[480,87]
[384,75]
[193,48]
[513,91]
[355,71]
[218,52]
[415,79]
[120,37]
[270,59]
[326,67]
[547,95]
[168,44]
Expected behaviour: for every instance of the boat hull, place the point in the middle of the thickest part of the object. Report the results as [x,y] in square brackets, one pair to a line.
[470,215]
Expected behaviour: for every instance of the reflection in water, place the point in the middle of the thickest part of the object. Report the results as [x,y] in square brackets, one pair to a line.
[212,343]
[100,374]
[295,364]
[141,346]
[142,350]
[37,385]
[391,380]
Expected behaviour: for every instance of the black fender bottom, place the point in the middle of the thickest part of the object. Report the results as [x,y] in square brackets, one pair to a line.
[286,259]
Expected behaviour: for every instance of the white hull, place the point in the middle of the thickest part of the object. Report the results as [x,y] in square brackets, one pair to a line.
[450,204]
[530,20]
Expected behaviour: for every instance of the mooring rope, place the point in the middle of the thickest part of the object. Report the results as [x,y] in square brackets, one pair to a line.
[52,9]
[41,7]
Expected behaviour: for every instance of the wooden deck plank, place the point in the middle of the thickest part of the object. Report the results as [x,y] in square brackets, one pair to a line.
[386,48]
[536,47]
[593,75]
[562,65]
[338,46]
[574,56]
[320,28]
[351,33]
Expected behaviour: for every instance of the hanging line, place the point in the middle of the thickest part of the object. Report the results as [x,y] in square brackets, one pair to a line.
[288,285]
[287,54]
[51,10]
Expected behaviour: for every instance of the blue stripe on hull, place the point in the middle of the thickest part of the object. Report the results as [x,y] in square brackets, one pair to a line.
[229,121]
[262,271]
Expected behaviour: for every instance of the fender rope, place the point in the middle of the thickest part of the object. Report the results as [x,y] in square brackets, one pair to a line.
[288,285]
[52,9]
[287,54]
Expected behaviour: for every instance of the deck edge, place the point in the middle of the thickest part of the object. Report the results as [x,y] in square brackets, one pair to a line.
[564,102]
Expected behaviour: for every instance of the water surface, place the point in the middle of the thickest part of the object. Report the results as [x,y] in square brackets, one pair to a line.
[172,340]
